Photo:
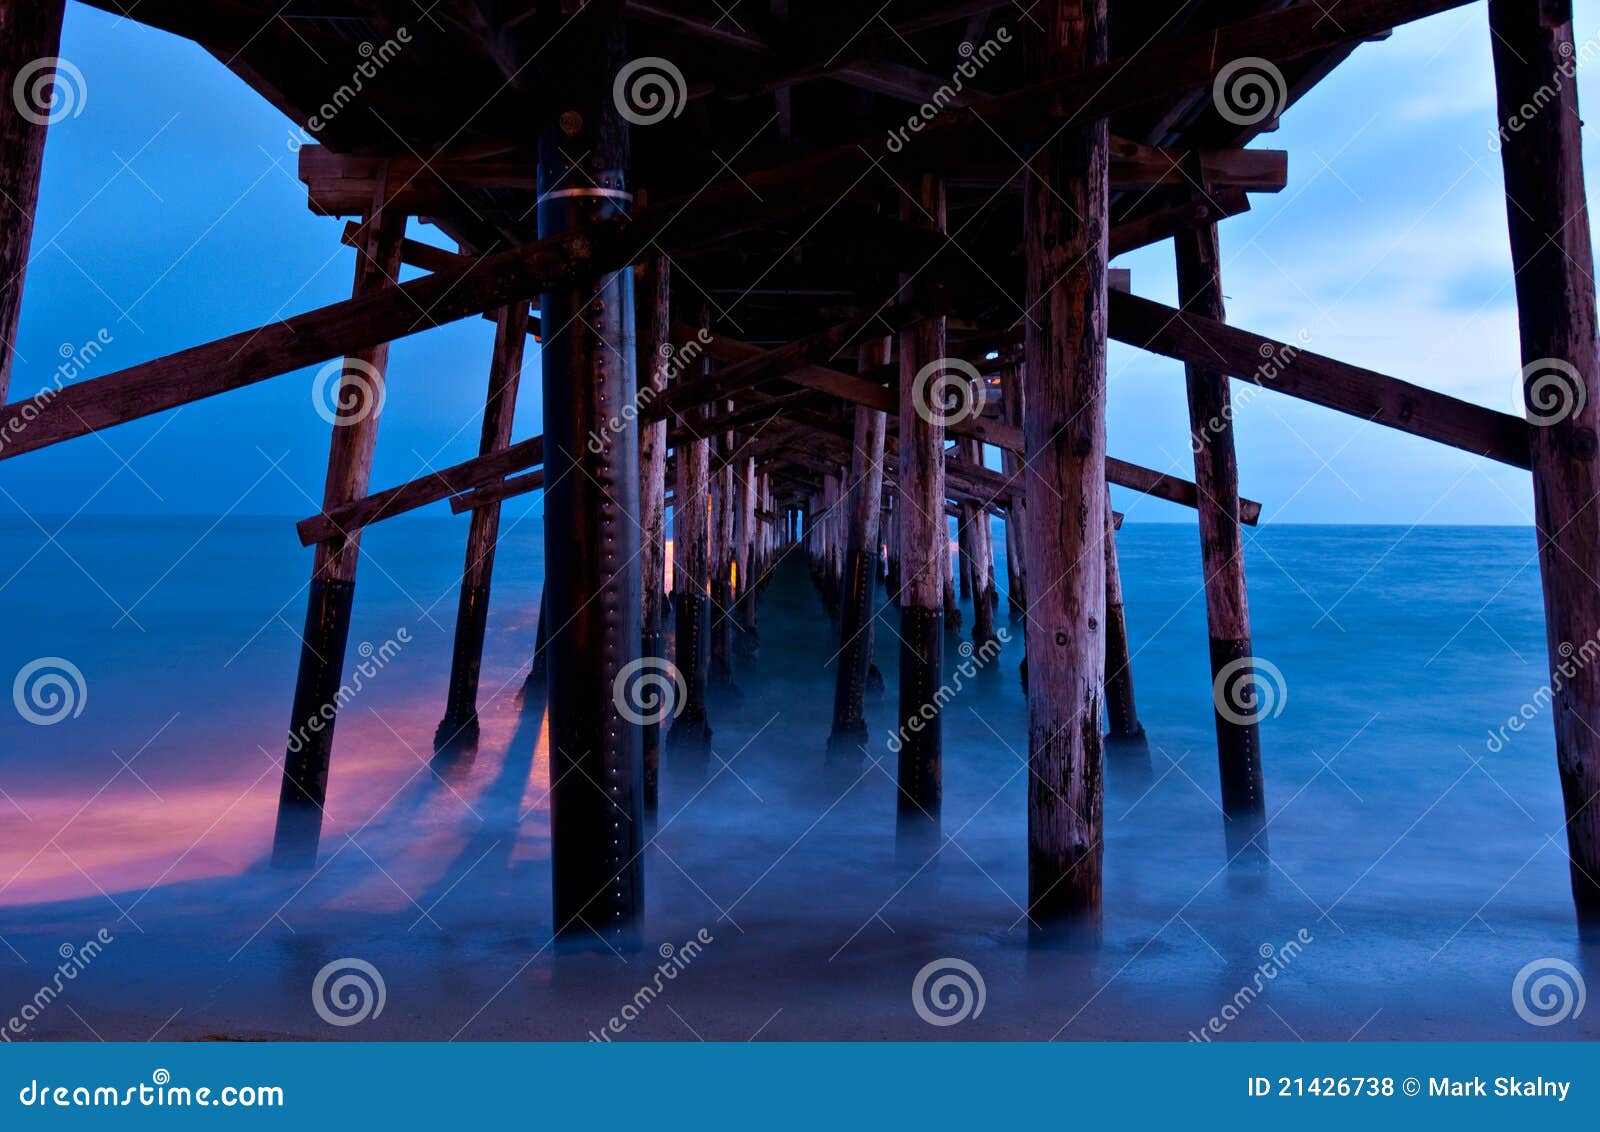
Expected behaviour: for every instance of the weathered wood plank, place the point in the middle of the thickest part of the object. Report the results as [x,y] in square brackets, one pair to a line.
[1065,206]
[1553,257]
[1216,471]
[457,733]
[30,36]
[924,558]
[358,402]
[1288,368]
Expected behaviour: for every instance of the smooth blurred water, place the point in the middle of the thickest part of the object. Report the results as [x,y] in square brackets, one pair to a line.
[1428,867]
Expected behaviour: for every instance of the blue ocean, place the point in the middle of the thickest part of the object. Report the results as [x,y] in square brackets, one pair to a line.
[1417,864]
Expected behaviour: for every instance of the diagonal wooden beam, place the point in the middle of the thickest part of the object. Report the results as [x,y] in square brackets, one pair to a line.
[1299,373]
[507,488]
[420,492]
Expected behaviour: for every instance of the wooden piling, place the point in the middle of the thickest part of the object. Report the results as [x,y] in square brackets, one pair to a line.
[1064,241]
[892,574]
[1016,513]
[690,736]
[1121,714]
[1541,149]
[848,739]
[746,640]
[952,606]
[965,565]
[653,330]
[457,733]
[359,403]
[975,522]
[30,34]
[724,512]
[591,497]
[924,559]
[1216,474]
[829,562]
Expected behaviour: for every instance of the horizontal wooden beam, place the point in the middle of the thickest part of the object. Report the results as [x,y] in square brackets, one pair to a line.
[803,433]
[1163,223]
[414,253]
[340,184]
[420,492]
[860,391]
[1290,369]
[1136,166]
[496,492]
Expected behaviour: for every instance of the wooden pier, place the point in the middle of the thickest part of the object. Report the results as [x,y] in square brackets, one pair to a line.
[814,284]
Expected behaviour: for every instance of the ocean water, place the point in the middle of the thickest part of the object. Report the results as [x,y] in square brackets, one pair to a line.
[1417,856]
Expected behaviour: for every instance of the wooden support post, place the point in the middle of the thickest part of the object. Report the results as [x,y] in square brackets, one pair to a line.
[30,37]
[848,739]
[925,560]
[724,513]
[359,403]
[975,523]
[1121,713]
[539,672]
[1016,514]
[828,538]
[690,737]
[654,327]
[1541,150]
[746,640]
[591,499]
[458,731]
[892,575]
[964,552]
[952,607]
[1216,474]
[1065,210]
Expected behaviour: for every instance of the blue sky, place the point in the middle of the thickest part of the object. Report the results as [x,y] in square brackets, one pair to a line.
[170,214]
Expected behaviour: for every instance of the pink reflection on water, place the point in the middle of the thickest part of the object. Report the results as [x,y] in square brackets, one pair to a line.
[195,808]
